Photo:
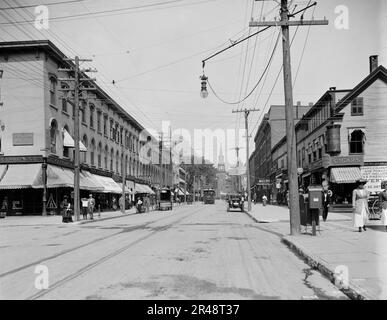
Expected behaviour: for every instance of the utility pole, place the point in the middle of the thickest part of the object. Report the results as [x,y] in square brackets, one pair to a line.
[290,131]
[123,171]
[246,113]
[78,80]
[237,154]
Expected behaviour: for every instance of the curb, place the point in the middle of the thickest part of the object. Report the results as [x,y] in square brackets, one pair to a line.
[261,221]
[352,291]
[102,219]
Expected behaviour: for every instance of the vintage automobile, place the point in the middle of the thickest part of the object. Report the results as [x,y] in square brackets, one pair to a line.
[235,201]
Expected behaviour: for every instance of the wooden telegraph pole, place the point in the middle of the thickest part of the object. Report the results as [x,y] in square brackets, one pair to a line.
[78,80]
[247,112]
[290,131]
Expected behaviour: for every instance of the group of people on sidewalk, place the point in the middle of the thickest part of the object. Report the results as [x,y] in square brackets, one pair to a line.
[87,205]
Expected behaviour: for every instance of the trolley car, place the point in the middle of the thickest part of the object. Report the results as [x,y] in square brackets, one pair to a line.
[165,199]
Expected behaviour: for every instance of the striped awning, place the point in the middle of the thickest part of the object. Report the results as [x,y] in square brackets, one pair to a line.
[21,176]
[345,174]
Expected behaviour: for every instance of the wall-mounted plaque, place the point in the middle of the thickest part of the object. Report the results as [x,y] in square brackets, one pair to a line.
[23,139]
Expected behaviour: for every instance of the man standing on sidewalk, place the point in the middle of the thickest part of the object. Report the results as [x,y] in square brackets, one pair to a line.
[90,206]
[326,201]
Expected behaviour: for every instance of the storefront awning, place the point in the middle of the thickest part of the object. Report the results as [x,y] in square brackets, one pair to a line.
[21,176]
[68,141]
[143,188]
[108,184]
[57,177]
[180,192]
[345,174]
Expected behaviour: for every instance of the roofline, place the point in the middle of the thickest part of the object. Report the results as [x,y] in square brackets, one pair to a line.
[49,47]
[379,73]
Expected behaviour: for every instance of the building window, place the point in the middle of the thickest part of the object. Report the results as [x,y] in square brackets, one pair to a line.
[357,106]
[117,160]
[105,119]
[111,159]
[53,91]
[309,158]
[53,134]
[84,141]
[92,116]
[117,134]
[111,129]
[356,142]
[319,153]
[106,157]
[66,149]
[92,152]
[83,110]
[99,121]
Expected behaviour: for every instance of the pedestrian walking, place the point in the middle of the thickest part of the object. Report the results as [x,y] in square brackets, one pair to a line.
[85,204]
[91,206]
[360,205]
[264,200]
[66,210]
[122,203]
[383,203]
[326,202]
[139,205]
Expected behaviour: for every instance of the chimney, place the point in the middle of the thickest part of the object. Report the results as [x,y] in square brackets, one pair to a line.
[373,63]
[332,88]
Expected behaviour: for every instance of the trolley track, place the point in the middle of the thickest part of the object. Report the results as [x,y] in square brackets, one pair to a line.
[113,254]
[89,243]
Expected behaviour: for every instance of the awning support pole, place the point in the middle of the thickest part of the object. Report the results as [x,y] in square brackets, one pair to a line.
[44,176]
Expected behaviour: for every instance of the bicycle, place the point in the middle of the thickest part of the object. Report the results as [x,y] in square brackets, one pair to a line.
[375,212]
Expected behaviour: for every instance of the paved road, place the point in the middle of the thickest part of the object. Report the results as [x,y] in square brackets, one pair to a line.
[193,252]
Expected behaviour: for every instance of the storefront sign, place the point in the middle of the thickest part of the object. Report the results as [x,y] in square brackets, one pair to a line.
[263,182]
[328,161]
[23,139]
[374,176]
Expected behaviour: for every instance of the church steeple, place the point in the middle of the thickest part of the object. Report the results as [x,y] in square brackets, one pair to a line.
[221,164]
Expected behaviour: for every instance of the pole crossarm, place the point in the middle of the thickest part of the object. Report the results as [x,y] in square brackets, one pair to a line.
[288,23]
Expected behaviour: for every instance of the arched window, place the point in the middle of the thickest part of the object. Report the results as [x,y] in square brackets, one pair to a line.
[53,135]
[111,159]
[356,142]
[92,108]
[99,152]
[106,157]
[85,142]
[92,151]
[53,83]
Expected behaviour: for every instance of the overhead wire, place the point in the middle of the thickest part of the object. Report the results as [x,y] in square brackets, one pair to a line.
[255,86]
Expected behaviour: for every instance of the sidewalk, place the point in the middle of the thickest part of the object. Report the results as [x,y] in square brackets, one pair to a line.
[337,248]
[32,220]
[27,220]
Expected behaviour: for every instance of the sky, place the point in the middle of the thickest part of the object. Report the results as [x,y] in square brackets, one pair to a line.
[153,51]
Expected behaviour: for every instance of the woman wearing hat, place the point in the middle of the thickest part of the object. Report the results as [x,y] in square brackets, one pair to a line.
[360,205]
[383,202]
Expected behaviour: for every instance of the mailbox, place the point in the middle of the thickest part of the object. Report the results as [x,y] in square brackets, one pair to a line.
[315,197]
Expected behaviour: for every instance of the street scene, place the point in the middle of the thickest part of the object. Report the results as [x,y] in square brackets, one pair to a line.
[193,150]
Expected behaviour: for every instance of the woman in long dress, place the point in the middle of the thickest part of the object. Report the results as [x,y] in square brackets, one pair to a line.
[360,205]
[383,202]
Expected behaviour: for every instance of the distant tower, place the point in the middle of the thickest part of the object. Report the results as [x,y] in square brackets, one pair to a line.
[221,164]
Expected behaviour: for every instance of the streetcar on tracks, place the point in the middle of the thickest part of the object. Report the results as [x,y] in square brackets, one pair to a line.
[208,196]
[164,199]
